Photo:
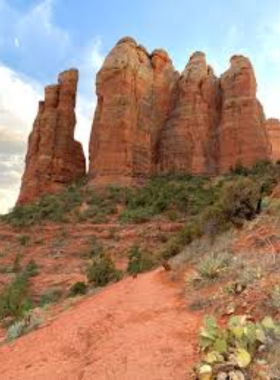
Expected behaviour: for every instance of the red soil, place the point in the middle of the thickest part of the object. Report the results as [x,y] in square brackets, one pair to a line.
[136,329]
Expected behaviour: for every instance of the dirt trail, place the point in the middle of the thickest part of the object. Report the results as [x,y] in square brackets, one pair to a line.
[137,329]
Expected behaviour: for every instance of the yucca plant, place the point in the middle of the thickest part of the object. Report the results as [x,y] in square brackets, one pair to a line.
[210,268]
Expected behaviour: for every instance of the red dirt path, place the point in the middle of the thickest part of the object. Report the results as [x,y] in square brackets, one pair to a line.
[137,329]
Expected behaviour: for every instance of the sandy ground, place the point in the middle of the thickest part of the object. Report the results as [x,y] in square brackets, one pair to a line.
[137,329]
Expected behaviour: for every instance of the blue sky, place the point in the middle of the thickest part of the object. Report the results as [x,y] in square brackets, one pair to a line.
[40,38]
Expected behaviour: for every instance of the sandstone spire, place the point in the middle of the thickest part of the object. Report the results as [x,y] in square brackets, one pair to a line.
[54,158]
[242,132]
[273,132]
[189,137]
[134,91]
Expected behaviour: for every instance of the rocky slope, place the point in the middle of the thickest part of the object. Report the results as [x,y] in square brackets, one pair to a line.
[150,120]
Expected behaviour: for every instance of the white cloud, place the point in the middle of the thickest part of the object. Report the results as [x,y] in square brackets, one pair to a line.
[19,96]
[17,44]
[36,29]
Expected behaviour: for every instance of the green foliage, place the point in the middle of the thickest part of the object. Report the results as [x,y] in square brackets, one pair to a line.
[239,169]
[15,299]
[16,330]
[79,288]
[239,200]
[102,271]
[170,195]
[31,269]
[30,322]
[139,261]
[51,296]
[49,208]
[23,239]
[139,215]
[236,343]
[101,205]
[177,243]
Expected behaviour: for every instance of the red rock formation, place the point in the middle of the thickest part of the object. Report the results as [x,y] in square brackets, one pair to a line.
[134,91]
[189,141]
[54,158]
[273,132]
[149,119]
[242,132]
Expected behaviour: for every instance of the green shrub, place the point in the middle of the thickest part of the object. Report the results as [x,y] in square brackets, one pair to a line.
[239,200]
[139,261]
[51,296]
[30,322]
[16,330]
[239,169]
[79,288]
[15,299]
[31,268]
[54,207]
[177,243]
[140,215]
[102,271]
[23,239]
[214,220]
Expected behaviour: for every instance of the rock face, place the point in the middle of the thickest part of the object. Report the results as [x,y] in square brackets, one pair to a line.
[189,137]
[54,158]
[150,119]
[273,132]
[242,132]
[134,91]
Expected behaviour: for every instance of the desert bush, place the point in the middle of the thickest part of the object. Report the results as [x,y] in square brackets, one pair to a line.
[15,299]
[172,195]
[212,267]
[239,169]
[50,296]
[139,261]
[79,288]
[30,322]
[32,268]
[23,239]
[214,220]
[236,344]
[175,244]
[54,207]
[239,200]
[102,271]
[16,330]
[140,215]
